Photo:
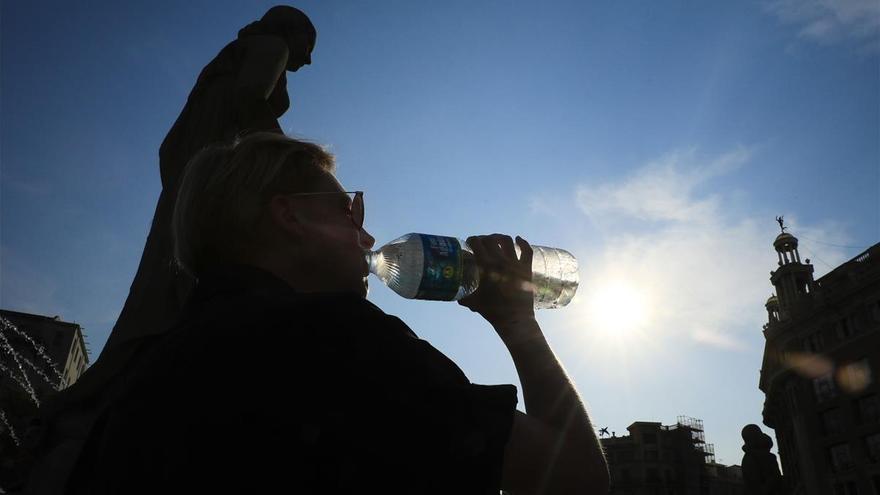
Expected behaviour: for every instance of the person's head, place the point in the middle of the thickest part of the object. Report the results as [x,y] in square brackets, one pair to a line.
[244,202]
[293,26]
[755,439]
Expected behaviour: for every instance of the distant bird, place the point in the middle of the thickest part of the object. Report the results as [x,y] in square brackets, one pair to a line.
[603,432]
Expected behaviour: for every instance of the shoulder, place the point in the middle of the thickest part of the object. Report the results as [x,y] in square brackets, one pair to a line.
[263,46]
[284,314]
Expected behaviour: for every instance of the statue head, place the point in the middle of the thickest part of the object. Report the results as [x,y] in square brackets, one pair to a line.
[293,26]
[755,439]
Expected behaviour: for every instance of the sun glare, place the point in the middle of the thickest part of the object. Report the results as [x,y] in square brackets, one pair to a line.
[618,309]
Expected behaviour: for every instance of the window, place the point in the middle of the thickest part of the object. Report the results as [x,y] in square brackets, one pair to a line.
[840,457]
[832,421]
[803,286]
[872,447]
[824,388]
[814,343]
[650,438]
[651,455]
[843,329]
[869,409]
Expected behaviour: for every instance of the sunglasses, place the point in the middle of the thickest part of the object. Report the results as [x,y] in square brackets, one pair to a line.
[356,202]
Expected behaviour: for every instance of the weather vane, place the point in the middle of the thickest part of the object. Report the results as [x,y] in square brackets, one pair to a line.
[779,219]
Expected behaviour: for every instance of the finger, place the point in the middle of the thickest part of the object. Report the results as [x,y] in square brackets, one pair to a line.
[475,243]
[477,246]
[493,248]
[526,252]
[506,244]
[479,241]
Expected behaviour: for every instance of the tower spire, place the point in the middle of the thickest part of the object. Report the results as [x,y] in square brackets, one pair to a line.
[793,279]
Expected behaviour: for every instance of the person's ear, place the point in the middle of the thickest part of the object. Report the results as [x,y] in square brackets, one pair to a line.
[284,215]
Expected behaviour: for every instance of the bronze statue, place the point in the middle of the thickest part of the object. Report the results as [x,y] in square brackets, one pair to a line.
[779,220]
[243,89]
[760,470]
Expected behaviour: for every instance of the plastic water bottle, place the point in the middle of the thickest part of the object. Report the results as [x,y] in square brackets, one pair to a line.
[438,268]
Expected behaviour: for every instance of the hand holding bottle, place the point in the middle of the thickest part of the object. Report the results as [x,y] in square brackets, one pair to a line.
[441,268]
[505,292]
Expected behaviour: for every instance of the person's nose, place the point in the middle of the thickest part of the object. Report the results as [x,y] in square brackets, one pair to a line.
[366,240]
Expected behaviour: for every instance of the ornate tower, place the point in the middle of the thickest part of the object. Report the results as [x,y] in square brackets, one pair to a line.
[793,279]
[819,371]
[772,306]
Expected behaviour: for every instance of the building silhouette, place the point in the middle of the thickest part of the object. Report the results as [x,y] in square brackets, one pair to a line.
[38,355]
[819,372]
[655,459]
[63,342]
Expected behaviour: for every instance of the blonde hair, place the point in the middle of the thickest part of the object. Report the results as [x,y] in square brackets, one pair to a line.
[225,187]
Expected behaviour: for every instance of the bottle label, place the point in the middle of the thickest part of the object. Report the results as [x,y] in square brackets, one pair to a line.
[441,277]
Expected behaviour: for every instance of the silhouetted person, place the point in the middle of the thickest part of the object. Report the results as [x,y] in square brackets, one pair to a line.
[760,470]
[281,377]
[243,89]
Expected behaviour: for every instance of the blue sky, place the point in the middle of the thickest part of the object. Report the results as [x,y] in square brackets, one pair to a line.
[654,140]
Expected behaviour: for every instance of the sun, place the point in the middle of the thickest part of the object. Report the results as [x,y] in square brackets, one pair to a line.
[618,309]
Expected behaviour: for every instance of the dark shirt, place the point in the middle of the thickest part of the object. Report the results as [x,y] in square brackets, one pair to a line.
[262,388]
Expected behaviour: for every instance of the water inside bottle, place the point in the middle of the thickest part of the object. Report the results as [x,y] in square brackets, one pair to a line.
[400,266]
[555,276]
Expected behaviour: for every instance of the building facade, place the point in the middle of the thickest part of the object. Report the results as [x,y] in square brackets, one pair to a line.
[63,343]
[819,372]
[38,355]
[655,459]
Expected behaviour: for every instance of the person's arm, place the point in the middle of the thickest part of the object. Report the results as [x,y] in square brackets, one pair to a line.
[552,448]
[265,59]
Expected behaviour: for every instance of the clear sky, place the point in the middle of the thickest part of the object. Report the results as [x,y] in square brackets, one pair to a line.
[654,140]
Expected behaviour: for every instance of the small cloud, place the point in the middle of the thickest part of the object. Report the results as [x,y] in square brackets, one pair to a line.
[662,190]
[670,232]
[832,21]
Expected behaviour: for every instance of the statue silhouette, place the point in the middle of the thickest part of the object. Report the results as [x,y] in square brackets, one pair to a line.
[760,470]
[243,89]
[779,220]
